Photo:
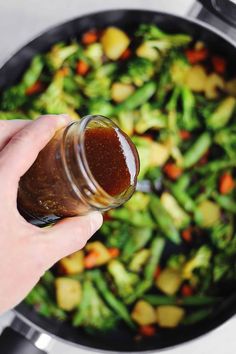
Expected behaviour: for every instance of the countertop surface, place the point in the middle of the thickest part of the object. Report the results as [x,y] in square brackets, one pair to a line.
[22,20]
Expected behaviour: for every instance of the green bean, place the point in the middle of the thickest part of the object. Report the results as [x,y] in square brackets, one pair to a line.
[182,197]
[114,303]
[157,247]
[196,316]
[195,300]
[216,166]
[140,96]
[225,202]
[164,220]
[159,300]
[197,150]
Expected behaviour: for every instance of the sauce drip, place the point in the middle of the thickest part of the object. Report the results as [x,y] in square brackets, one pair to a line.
[112,160]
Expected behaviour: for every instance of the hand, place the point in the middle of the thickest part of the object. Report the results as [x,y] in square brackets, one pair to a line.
[27,251]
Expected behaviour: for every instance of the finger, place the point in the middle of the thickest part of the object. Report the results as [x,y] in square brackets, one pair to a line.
[8,128]
[22,150]
[67,237]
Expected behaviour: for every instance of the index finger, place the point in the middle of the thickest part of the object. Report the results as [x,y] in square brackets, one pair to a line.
[22,150]
[8,128]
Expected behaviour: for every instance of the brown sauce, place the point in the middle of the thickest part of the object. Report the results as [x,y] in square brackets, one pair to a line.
[112,160]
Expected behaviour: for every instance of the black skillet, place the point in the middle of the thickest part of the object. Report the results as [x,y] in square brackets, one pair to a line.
[122,340]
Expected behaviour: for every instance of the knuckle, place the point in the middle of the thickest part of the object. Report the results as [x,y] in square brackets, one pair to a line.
[25,135]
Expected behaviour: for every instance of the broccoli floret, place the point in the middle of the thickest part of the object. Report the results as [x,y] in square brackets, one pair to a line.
[176,261]
[221,234]
[55,101]
[98,82]
[59,53]
[100,106]
[164,40]
[139,70]
[125,281]
[94,53]
[13,98]
[116,233]
[150,118]
[201,260]
[93,313]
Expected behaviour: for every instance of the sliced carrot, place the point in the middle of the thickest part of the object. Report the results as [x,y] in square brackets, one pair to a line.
[90,260]
[172,170]
[126,54]
[195,56]
[90,37]
[63,71]
[114,252]
[82,68]
[219,64]
[187,235]
[147,331]
[157,272]
[185,135]
[35,88]
[186,290]
[226,184]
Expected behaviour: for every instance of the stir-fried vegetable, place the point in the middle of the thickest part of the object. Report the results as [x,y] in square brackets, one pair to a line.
[159,260]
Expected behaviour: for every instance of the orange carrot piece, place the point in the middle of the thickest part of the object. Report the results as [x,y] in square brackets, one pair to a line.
[187,235]
[195,56]
[114,252]
[126,54]
[35,88]
[185,135]
[90,37]
[82,68]
[226,183]
[157,272]
[147,331]
[219,64]
[90,260]
[186,290]
[172,170]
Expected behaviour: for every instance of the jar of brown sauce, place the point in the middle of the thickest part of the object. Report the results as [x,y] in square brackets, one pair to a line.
[89,165]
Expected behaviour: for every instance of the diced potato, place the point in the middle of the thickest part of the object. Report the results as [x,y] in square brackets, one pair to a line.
[169,281]
[209,212]
[199,45]
[120,91]
[169,316]
[213,83]
[179,72]
[68,293]
[147,51]
[159,154]
[73,264]
[143,313]
[180,217]
[230,87]
[114,42]
[103,255]
[126,121]
[196,78]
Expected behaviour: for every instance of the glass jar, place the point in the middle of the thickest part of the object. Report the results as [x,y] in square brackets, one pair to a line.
[89,165]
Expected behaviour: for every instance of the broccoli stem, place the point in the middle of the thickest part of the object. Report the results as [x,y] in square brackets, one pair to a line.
[164,220]
[114,303]
[139,97]
[157,248]
[197,150]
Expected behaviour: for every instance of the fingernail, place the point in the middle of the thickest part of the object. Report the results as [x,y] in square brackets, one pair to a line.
[96,220]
